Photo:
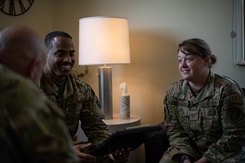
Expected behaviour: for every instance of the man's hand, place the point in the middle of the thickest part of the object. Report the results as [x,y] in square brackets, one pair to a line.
[202,160]
[84,157]
[120,155]
[187,161]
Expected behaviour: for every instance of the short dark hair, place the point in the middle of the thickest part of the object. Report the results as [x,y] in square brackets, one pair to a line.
[50,36]
[198,47]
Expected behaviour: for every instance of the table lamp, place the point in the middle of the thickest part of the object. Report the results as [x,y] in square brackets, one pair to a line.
[104,41]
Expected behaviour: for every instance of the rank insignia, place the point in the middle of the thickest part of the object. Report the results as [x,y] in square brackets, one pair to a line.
[194,116]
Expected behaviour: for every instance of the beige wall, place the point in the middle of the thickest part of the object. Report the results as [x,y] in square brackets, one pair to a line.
[156,27]
[38,17]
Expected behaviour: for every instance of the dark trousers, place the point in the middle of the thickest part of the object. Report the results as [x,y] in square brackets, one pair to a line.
[156,144]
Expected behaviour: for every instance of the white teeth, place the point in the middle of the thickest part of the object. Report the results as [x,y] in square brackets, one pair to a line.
[66,66]
[185,71]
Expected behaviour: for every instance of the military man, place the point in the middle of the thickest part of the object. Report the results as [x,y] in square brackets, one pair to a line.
[31,127]
[75,98]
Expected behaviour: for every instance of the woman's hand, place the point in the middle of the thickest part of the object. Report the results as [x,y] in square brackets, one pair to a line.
[84,157]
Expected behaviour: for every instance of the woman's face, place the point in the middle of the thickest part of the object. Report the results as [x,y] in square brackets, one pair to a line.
[193,67]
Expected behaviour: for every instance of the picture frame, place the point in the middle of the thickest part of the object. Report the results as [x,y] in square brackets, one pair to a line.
[239,34]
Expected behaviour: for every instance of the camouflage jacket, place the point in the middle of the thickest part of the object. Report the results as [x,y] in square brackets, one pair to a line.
[31,127]
[79,103]
[212,124]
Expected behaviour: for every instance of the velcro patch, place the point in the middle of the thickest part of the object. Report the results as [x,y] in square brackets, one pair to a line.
[179,103]
[236,99]
[235,114]
[209,103]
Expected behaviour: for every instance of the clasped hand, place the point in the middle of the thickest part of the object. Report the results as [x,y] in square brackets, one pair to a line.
[118,156]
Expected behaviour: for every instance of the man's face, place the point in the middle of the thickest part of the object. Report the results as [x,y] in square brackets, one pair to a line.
[61,56]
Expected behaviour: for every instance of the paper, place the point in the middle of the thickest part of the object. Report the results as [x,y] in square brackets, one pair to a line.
[124,88]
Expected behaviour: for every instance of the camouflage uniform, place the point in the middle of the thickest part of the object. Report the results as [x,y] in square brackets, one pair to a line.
[32,129]
[78,102]
[211,124]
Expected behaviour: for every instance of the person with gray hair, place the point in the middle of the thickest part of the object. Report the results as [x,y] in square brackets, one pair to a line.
[31,127]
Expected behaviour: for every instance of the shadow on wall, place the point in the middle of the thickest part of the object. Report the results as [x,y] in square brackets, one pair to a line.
[152,70]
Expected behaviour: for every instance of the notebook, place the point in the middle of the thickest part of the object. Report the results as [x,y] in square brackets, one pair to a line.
[131,137]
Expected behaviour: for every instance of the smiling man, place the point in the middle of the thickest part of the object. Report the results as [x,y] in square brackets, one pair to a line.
[75,98]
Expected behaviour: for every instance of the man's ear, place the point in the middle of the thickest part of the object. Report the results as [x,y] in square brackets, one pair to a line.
[33,70]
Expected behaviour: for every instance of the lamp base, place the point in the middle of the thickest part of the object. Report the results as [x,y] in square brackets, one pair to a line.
[105,90]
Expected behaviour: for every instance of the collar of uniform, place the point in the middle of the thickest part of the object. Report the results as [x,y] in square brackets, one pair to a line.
[51,87]
[208,89]
[47,84]
[184,92]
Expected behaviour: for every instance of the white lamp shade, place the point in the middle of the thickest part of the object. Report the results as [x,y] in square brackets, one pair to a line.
[103,40]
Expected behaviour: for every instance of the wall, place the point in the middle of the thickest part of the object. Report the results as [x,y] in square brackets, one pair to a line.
[156,27]
[38,17]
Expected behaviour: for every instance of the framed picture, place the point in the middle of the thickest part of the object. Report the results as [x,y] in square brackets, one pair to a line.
[239,34]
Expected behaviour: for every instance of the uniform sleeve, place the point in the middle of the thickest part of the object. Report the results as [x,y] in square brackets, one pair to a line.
[178,137]
[233,123]
[91,119]
[38,126]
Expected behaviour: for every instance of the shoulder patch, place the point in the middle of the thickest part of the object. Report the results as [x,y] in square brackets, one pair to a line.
[235,114]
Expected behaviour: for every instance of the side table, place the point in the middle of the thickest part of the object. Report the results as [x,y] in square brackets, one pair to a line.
[117,124]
